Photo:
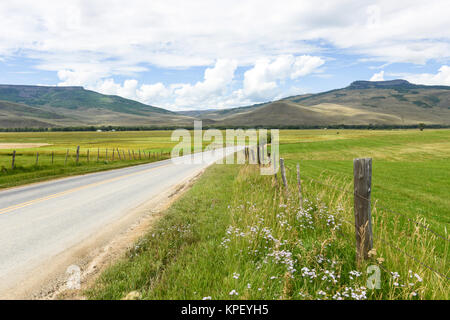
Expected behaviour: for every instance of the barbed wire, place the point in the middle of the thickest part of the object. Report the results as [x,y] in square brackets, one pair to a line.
[413,258]
[377,206]
[403,251]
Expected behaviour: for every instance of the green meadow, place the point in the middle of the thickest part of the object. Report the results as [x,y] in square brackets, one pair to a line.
[255,241]
[52,162]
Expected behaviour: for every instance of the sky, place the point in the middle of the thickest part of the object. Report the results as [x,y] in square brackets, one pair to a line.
[207,54]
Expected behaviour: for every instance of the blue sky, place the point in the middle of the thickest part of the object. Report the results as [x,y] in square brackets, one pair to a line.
[214,54]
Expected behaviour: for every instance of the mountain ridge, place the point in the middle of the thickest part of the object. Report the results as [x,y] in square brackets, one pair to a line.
[393,102]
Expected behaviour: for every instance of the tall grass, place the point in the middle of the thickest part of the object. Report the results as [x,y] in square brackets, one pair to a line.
[247,238]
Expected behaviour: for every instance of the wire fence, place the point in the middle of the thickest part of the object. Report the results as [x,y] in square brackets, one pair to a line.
[15,159]
[378,207]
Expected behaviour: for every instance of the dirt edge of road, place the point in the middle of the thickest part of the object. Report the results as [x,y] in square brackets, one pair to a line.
[94,255]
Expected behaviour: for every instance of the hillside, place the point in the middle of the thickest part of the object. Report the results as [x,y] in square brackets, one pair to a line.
[39,106]
[396,102]
[363,102]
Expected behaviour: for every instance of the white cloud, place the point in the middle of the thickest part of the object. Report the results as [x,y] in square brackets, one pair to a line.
[171,33]
[213,91]
[379,76]
[89,43]
[261,82]
[442,77]
[217,81]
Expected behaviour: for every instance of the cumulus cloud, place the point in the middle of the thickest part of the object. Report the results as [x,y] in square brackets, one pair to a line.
[89,43]
[217,81]
[261,82]
[379,76]
[172,33]
[213,91]
[442,77]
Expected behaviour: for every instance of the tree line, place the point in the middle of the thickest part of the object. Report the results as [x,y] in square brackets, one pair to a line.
[153,128]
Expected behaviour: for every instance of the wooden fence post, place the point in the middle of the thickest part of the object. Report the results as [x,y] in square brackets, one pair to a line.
[258,155]
[262,152]
[129,154]
[98,154]
[140,154]
[362,174]
[13,163]
[118,152]
[78,154]
[283,173]
[299,183]
[67,155]
[53,155]
[87,156]
[113,154]
[37,158]
[106,154]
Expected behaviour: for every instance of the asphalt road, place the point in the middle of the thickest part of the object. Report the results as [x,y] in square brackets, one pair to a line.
[39,221]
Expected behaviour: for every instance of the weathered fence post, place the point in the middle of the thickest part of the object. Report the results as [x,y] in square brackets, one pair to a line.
[283,173]
[106,154]
[140,154]
[98,154]
[362,174]
[13,163]
[258,154]
[129,154]
[87,156]
[53,155]
[37,158]
[78,154]
[67,155]
[263,152]
[113,154]
[118,152]
[299,183]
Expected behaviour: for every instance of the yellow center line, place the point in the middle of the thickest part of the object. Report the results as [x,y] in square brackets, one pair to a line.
[59,194]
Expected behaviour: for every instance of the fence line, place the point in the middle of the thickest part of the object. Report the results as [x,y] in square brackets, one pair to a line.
[359,196]
[413,258]
[52,158]
[378,206]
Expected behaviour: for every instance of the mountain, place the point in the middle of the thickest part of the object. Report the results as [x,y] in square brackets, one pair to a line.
[42,106]
[396,102]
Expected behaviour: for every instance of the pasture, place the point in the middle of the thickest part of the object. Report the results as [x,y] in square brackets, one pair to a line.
[256,242]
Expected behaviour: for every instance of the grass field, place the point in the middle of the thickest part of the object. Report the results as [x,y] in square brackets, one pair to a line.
[26,170]
[255,242]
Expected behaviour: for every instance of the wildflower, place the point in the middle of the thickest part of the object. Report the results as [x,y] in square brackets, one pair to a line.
[418,277]
[236,275]
[234,292]
[206,298]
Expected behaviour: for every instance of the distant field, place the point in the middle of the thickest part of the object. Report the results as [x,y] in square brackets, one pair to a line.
[411,169]
[151,144]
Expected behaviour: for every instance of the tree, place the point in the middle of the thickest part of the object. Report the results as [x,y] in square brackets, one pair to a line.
[421,126]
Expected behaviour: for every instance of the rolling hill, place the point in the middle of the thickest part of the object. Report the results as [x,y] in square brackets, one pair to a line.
[395,102]
[40,106]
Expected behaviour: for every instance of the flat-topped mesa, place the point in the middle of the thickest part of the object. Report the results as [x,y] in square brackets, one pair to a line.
[380,84]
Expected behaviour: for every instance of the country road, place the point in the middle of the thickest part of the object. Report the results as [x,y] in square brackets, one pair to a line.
[40,221]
